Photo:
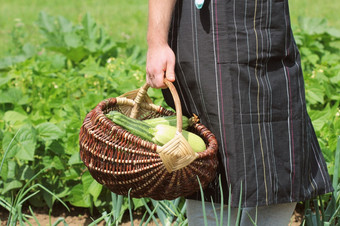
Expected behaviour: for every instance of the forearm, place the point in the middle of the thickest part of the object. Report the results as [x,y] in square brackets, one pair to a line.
[160,13]
[160,60]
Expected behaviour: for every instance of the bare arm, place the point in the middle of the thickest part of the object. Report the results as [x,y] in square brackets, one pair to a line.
[160,57]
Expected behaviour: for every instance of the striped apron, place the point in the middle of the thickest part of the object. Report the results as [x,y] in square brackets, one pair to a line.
[238,68]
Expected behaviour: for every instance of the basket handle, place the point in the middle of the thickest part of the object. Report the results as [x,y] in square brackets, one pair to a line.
[177,103]
[138,100]
[143,91]
[177,153]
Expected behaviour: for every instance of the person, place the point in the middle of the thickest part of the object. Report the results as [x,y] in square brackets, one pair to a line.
[236,65]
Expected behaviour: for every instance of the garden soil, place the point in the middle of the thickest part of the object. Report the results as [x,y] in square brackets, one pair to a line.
[81,216]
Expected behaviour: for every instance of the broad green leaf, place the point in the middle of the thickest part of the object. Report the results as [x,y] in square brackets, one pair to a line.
[4,79]
[72,40]
[14,184]
[320,118]
[37,200]
[106,44]
[90,27]
[38,117]
[65,25]
[334,32]
[6,62]
[6,145]
[76,54]
[58,163]
[12,95]
[321,77]
[91,45]
[95,189]
[24,100]
[72,174]
[92,68]
[26,172]
[4,171]
[90,185]
[314,95]
[137,203]
[75,159]
[49,131]
[313,25]
[86,179]
[58,62]
[29,50]
[336,79]
[12,169]
[23,145]
[48,161]
[312,58]
[46,22]
[56,147]
[48,199]
[9,170]
[79,198]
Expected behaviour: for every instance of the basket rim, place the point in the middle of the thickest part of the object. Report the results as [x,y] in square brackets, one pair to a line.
[210,140]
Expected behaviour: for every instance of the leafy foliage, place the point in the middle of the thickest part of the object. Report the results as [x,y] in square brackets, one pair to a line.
[327,207]
[76,42]
[46,91]
[46,97]
[319,46]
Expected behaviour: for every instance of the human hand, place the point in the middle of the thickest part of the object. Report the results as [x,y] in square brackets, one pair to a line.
[160,64]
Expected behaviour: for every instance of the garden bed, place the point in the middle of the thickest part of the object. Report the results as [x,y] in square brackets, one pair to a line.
[82,216]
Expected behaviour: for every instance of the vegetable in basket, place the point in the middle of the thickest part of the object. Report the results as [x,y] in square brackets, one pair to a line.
[159,133]
[168,120]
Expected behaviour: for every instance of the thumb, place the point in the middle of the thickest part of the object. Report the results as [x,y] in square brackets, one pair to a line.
[170,72]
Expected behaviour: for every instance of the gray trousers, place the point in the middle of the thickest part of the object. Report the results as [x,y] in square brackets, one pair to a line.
[277,215]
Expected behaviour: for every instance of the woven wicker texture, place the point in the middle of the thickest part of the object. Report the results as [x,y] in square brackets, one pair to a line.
[125,163]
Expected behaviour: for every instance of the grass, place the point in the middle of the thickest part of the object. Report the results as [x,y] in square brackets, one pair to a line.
[123,20]
[328,9]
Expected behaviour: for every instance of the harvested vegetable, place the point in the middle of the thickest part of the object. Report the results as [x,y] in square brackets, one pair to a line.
[159,134]
[168,120]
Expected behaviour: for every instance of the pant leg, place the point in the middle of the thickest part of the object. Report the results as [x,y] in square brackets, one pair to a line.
[196,218]
[278,215]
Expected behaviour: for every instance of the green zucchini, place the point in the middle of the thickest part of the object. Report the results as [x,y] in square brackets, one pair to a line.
[168,120]
[159,134]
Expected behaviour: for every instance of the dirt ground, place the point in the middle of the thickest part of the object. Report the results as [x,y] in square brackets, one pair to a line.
[74,217]
[81,216]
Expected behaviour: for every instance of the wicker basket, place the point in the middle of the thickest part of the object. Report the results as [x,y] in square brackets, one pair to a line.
[125,163]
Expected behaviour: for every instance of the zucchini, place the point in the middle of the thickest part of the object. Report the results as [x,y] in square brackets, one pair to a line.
[168,120]
[134,126]
[159,134]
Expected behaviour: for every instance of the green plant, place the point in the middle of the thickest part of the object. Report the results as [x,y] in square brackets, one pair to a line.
[166,212]
[114,217]
[120,26]
[320,57]
[46,97]
[76,42]
[220,221]
[30,189]
[47,89]
[329,214]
